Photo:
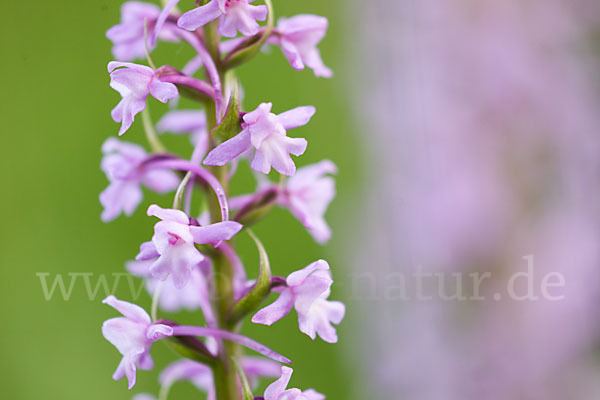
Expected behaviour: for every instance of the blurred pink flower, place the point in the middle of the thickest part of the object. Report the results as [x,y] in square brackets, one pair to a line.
[298,38]
[307,195]
[484,118]
[128,36]
[192,122]
[123,164]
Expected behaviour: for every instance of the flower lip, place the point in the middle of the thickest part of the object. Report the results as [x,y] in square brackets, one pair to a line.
[232,3]
[174,239]
[132,335]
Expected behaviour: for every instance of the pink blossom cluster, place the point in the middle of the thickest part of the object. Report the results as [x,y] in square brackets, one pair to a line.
[494,156]
[190,261]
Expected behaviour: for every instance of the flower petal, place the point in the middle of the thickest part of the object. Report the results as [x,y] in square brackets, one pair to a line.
[127,335]
[129,310]
[275,311]
[275,152]
[193,66]
[310,290]
[242,17]
[160,180]
[142,69]
[215,233]
[199,374]
[169,234]
[127,367]
[291,52]
[319,230]
[145,361]
[296,278]
[182,121]
[253,116]
[120,196]
[200,16]
[124,149]
[312,59]
[256,367]
[164,14]
[259,13]
[275,389]
[296,117]
[168,214]
[319,318]
[158,331]
[178,262]
[312,394]
[229,150]
[307,175]
[143,396]
[163,91]
[139,268]
[147,252]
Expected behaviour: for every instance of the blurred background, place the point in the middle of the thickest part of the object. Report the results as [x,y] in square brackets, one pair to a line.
[466,134]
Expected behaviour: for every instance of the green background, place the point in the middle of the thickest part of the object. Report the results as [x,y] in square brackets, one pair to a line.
[55,115]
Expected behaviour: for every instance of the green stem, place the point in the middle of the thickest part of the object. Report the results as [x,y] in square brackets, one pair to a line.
[212,39]
[181,191]
[146,50]
[163,394]
[225,376]
[155,143]
[245,385]
[224,371]
[155,299]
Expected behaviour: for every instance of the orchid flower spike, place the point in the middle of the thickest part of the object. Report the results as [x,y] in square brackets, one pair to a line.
[307,291]
[123,164]
[128,36]
[277,390]
[266,133]
[135,82]
[133,335]
[298,38]
[176,270]
[234,15]
[173,243]
[307,195]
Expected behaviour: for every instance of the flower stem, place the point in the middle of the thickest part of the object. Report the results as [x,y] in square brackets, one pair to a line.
[155,299]
[226,335]
[181,191]
[225,376]
[218,202]
[155,143]
[163,394]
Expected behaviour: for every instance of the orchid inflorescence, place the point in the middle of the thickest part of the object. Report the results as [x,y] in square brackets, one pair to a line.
[190,262]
